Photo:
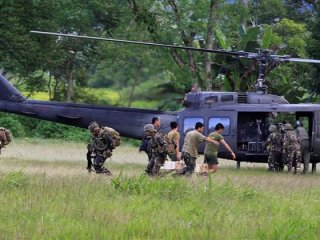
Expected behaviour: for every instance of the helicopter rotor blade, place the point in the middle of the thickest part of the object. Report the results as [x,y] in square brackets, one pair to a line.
[262,56]
[289,59]
[225,52]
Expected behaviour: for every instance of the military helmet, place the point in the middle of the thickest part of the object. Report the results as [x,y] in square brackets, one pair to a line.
[288,126]
[272,128]
[149,128]
[92,126]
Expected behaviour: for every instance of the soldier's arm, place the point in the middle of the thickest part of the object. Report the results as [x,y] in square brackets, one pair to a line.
[267,142]
[228,148]
[178,149]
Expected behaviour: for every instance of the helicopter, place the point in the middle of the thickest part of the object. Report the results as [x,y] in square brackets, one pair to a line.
[244,114]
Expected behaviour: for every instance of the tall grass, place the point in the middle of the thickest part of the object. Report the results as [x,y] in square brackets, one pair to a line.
[44,203]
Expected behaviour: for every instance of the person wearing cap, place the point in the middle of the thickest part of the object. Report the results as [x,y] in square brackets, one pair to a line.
[158,149]
[190,148]
[291,148]
[99,149]
[303,138]
[274,147]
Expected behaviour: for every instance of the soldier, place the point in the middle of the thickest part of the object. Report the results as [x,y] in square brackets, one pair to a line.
[303,138]
[175,137]
[5,137]
[100,148]
[190,148]
[291,148]
[144,146]
[274,147]
[158,149]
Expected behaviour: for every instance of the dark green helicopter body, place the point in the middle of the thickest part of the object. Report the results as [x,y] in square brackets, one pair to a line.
[243,114]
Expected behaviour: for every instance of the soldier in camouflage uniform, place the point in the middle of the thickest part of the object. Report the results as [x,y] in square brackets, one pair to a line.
[100,148]
[291,148]
[274,146]
[157,147]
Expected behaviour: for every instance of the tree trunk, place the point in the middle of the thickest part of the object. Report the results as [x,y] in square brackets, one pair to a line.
[209,45]
[70,87]
[135,83]
[70,77]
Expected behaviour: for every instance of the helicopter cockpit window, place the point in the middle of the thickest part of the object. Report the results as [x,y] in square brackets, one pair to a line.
[211,100]
[215,120]
[190,122]
[227,98]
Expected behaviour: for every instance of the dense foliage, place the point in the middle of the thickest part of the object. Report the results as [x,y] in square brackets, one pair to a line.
[65,68]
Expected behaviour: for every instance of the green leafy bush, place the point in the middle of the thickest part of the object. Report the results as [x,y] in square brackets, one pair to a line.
[47,129]
[15,126]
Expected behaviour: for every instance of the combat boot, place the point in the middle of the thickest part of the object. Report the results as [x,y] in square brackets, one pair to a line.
[106,171]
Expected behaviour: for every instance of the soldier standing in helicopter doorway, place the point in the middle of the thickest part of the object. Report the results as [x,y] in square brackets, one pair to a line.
[291,148]
[274,147]
[303,138]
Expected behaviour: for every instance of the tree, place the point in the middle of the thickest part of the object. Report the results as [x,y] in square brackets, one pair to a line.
[43,61]
[183,21]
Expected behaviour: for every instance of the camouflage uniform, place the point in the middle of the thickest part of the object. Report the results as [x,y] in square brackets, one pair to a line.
[145,146]
[157,148]
[99,150]
[274,146]
[158,152]
[291,148]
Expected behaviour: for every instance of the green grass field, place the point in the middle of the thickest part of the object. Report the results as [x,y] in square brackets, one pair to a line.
[46,193]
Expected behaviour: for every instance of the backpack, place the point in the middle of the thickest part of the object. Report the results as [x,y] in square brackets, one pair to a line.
[144,144]
[171,145]
[5,136]
[114,135]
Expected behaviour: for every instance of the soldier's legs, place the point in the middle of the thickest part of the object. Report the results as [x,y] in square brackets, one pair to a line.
[305,155]
[283,161]
[290,159]
[98,165]
[150,164]
[158,162]
[89,162]
[297,159]
[277,161]
[271,161]
[190,163]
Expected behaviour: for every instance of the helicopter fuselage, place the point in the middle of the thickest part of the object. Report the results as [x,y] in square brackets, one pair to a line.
[244,116]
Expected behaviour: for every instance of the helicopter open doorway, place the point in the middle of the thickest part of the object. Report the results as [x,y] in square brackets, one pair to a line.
[253,132]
